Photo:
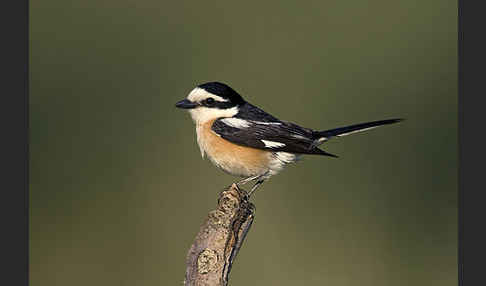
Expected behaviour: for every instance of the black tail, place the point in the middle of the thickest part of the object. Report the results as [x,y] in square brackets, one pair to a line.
[318,151]
[321,136]
[343,131]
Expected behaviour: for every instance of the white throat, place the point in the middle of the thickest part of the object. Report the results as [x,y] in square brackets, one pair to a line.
[203,114]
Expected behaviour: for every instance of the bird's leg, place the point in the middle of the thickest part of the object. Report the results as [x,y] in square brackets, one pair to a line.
[257,184]
[246,180]
[261,178]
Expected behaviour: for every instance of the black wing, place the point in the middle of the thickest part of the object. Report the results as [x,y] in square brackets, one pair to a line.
[276,136]
[249,111]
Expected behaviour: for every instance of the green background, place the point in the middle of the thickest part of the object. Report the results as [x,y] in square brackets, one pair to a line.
[118,188]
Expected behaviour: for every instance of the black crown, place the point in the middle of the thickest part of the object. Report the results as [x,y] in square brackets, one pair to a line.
[222,90]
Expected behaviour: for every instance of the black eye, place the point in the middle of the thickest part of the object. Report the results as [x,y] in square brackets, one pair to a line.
[209,101]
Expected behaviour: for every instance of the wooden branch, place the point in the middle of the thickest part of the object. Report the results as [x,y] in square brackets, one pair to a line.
[221,236]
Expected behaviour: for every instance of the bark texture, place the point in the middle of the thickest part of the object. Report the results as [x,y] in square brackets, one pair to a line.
[219,240]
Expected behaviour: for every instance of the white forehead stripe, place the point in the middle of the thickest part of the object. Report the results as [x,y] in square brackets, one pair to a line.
[236,122]
[272,144]
[199,94]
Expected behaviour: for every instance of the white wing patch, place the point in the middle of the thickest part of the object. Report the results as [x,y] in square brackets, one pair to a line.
[267,123]
[272,144]
[296,136]
[236,122]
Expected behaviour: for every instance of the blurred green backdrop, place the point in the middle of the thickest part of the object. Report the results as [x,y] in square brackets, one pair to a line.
[118,188]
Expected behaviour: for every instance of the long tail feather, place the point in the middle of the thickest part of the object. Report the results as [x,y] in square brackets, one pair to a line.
[343,131]
[318,151]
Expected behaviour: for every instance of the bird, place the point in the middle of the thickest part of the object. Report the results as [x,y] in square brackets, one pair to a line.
[245,141]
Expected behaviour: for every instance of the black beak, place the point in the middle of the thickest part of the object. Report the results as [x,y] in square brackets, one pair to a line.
[186,104]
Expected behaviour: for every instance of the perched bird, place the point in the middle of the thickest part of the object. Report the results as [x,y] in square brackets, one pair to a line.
[245,141]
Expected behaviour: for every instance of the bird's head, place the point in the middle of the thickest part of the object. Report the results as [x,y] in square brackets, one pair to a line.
[211,100]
